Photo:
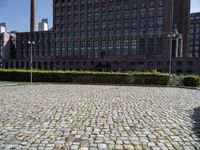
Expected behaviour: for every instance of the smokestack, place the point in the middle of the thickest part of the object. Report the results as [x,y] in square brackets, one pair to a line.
[33,16]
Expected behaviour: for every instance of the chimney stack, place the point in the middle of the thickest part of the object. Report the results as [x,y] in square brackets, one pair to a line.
[33,16]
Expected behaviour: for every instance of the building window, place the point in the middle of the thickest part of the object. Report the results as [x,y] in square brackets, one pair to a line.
[142,47]
[96,49]
[117,47]
[143,12]
[69,48]
[82,49]
[160,20]
[134,46]
[150,46]
[159,47]
[151,11]
[160,11]
[75,49]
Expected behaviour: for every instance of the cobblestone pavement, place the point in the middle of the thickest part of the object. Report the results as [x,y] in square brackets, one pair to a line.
[58,116]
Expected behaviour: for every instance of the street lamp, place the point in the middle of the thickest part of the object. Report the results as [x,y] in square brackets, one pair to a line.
[31,64]
[173,35]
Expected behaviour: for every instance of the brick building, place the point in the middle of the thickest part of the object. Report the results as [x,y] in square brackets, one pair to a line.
[120,28]
[110,35]
[194,48]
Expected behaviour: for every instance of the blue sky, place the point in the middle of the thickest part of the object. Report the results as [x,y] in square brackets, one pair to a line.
[16,12]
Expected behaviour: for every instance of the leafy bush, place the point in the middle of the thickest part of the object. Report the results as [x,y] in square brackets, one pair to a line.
[149,79]
[193,81]
[145,78]
[87,77]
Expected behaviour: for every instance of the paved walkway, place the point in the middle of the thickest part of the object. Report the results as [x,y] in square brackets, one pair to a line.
[85,117]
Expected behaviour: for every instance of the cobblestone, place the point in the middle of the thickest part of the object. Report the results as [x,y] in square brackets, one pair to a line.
[94,117]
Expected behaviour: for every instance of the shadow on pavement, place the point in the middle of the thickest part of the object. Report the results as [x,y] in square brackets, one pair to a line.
[196,122]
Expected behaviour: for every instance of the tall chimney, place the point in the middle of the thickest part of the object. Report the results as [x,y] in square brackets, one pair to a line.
[33,16]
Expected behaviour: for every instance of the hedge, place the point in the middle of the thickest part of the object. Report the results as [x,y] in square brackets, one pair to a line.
[193,81]
[145,78]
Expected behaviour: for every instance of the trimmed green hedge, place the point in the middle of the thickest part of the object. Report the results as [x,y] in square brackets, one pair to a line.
[84,77]
[145,78]
[193,81]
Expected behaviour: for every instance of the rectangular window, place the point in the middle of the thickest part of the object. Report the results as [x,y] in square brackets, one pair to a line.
[159,46]
[134,46]
[103,45]
[75,48]
[69,48]
[150,46]
[117,44]
[141,47]
[82,49]
[126,43]
[96,49]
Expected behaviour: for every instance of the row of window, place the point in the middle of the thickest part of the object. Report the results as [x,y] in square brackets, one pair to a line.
[111,13]
[126,33]
[111,25]
[195,17]
[193,54]
[90,18]
[195,25]
[109,3]
[78,64]
[118,32]
[87,48]
[133,21]
[97,18]
[195,29]
[195,48]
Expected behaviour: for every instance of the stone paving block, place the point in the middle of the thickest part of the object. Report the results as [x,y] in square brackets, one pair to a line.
[59,116]
[102,146]
[128,147]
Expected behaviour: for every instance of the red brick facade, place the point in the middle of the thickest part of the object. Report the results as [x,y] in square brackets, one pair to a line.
[110,35]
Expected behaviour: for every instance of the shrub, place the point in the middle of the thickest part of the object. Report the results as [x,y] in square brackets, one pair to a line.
[149,78]
[14,75]
[193,81]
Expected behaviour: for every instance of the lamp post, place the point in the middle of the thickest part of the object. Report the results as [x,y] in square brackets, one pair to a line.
[31,43]
[173,35]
